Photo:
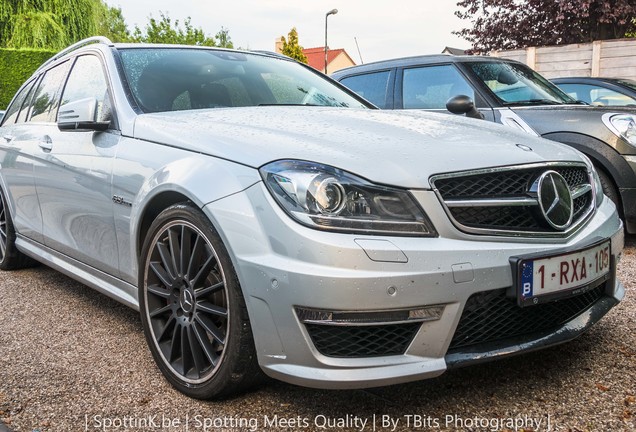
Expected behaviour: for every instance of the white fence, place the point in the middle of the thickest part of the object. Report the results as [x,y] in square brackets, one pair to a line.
[608,58]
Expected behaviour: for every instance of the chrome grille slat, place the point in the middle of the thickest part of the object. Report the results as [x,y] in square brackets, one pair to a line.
[490,202]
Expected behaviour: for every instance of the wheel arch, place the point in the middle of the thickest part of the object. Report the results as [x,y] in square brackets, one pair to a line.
[152,209]
[196,180]
[601,153]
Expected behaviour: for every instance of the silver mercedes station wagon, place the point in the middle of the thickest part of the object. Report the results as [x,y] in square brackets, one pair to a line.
[264,219]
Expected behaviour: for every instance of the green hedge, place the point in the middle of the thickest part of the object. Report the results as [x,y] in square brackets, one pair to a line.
[16,65]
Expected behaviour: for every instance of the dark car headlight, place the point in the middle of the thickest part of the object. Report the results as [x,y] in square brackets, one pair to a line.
[623,125]
[328,198]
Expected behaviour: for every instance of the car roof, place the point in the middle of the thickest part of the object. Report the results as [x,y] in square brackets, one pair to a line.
[102,43]
[419,60]
[587,79]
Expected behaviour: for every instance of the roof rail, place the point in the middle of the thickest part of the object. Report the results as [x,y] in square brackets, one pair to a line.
[272,53]
[83,42]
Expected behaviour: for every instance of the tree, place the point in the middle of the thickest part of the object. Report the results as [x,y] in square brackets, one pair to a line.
[291,48]
[223,39]
[111,23]
[46,23]
[510,24]
[166,31]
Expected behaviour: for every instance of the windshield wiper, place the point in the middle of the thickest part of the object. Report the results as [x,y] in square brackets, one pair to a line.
[534,102]
[288,104]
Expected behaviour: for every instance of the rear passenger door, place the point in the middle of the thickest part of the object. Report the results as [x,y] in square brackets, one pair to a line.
[73,174]
[21,132]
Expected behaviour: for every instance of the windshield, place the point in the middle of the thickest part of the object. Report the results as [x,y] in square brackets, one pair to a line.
[173,79]
[516,84]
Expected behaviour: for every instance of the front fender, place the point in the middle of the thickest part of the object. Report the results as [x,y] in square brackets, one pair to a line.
[149,177]
[201,178]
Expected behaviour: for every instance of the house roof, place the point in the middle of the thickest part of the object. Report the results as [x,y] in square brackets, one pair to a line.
[453,51]
[316,56]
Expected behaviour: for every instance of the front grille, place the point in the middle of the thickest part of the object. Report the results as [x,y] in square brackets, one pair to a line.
[511,183]
[496,217]
[498,184]
[362,341]
[491,316]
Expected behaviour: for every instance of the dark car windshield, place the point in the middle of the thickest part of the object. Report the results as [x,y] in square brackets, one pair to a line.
[516,84]
[173,79]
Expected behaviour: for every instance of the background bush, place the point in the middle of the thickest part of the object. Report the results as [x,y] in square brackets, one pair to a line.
[16,65]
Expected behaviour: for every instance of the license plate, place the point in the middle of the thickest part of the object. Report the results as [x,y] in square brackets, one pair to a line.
[547,278]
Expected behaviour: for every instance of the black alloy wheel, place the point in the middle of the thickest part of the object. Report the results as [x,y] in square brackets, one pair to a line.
[192,309]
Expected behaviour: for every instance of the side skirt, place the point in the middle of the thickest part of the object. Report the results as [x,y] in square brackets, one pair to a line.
[113,287]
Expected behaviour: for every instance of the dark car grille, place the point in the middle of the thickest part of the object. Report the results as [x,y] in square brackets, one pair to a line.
[505,184]
[362,341]
[491,316]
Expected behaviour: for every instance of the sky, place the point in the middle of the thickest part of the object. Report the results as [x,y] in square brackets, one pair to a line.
[383,29]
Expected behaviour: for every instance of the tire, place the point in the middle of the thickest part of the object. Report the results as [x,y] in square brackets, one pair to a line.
[192,309]
[10,257]
[610,190]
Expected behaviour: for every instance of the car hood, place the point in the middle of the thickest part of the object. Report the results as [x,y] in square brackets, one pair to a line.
[389,147]
[584,119]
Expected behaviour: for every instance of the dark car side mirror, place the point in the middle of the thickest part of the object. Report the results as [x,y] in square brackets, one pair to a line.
[462,104]
[80,116]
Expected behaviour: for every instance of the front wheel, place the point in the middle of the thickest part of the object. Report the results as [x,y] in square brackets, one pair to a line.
[609,189]
[192,309]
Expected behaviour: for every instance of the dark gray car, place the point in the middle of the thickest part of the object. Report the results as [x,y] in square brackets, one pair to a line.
[509,92]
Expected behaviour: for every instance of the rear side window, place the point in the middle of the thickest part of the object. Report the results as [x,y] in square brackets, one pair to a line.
[430,87]
[11,115]
[47,98]
[372,86]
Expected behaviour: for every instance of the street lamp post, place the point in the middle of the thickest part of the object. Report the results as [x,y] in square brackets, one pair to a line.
[331,12]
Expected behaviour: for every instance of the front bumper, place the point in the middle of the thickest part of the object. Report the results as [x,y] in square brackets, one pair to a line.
[284,267]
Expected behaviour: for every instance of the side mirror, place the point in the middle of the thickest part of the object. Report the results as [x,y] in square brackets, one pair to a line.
[80,115]
[462,104]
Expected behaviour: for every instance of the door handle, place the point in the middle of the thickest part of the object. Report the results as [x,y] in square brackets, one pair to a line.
[46,143]
[9,138]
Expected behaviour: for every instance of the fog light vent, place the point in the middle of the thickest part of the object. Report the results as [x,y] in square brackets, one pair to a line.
[355,334]
[362,341]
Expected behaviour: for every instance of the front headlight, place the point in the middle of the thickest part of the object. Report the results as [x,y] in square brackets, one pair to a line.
[598,186]
[328,198]
[623,125]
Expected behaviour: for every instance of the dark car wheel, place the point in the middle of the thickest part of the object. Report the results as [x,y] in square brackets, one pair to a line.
[610,190]
[10,257]
[192,309]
